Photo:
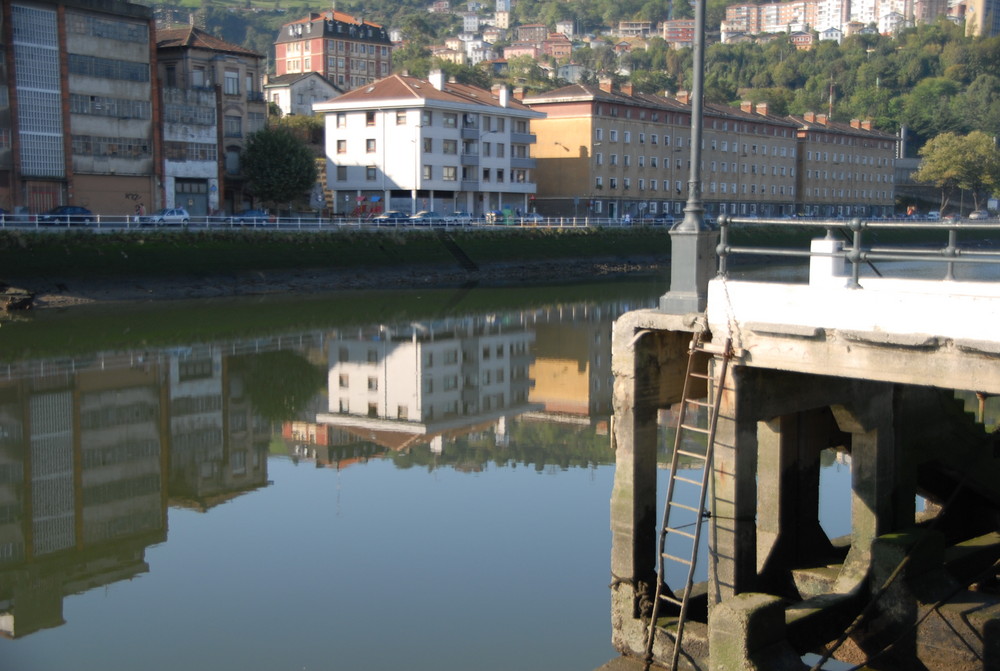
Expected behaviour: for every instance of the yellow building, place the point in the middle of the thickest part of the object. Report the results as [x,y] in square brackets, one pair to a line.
[608,153]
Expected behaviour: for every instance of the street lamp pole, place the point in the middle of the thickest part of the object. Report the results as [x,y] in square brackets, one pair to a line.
[692,240]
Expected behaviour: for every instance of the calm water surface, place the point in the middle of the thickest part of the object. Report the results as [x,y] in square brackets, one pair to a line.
[417,480]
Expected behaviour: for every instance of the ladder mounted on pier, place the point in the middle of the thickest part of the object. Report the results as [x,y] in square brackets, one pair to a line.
[687,531]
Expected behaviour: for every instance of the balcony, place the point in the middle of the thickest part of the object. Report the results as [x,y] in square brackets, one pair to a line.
[470,132]
[522,138]
[469,185]
[524,163]
[255,96]
[470,159]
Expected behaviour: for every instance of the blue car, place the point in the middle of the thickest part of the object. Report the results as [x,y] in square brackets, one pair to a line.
[66,214]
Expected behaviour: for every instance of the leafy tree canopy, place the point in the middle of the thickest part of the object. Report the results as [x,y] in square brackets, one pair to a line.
[282,179]
[967,162]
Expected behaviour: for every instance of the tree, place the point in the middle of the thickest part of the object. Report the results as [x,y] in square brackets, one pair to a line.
[970,162]
[278,167]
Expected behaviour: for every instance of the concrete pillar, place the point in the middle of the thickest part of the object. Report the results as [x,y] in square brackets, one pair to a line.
[649,375]
[788,530]
[874,458]
[732,533]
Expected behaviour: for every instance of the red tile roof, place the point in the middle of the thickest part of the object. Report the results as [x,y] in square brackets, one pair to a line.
[194,37]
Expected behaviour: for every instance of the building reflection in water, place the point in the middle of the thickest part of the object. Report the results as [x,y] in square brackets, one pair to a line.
[94,449]
[86,454]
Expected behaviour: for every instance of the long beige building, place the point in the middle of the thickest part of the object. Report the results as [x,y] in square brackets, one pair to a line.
[611,153]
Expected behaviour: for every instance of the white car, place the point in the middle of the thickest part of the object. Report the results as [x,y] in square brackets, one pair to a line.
[462,218]
[979,214]
[168,216]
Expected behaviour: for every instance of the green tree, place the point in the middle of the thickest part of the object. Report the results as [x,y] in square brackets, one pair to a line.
[967,162]
[277,165]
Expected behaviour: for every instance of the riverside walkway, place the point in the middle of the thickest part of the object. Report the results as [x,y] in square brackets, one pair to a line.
[849,360]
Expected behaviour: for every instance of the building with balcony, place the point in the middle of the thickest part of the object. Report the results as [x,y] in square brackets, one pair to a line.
[77,109]
[207,81]
[410,144]
[349,52]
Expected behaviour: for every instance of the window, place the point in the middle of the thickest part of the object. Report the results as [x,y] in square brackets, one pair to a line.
[400,118]
[341,120]
[341,146]
[599,134]
[370,173]
[614,136]
[341,173]
[598,182]
[231,83]
[614,159]
[370,146]
[344,381]
[613,183]
[449,173]
[426,117]
[642,138]
[500,174]
[370,118]
[233,126]
[627,137]
[426,172]
[450,120]
[450,146]
[373,384]
[599,158]
[428,145]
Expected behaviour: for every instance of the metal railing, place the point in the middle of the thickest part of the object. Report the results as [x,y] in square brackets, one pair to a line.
[854,232]
[106,223]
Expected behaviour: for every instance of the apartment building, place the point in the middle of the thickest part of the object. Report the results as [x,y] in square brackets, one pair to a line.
[77,110]
[678,33]
[845,169]
[207,80]
[410,144]
[296,94]
[348,51]
[610,153]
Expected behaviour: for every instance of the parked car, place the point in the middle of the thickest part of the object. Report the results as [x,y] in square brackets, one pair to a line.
[426,217]
[532,218]
[979,214]
[391,217]
[934,215]
[66,214]
[255,217]
[168,216]
[493,217]
[462,218]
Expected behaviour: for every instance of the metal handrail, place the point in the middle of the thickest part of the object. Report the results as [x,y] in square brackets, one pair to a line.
[856,253]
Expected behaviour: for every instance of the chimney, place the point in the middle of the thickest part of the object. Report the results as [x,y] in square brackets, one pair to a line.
[627,88]
[518,93]
[436,78]
[809,116]
[761,109]
[605,84]
[504,96]
[684,97]
[821,119]
[866,124]
[746,106]
[855,123]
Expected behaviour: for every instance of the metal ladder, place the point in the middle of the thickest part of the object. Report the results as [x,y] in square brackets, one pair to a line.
[695,515]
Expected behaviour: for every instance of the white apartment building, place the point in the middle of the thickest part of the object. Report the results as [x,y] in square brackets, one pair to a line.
[410,144]
[427,379]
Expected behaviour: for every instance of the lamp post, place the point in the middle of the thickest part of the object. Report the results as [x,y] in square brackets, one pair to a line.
[692,241]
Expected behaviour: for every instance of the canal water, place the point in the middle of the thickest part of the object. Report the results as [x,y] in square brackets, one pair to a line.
[412,480]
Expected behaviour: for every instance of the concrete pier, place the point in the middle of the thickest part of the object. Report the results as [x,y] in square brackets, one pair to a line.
[868,370]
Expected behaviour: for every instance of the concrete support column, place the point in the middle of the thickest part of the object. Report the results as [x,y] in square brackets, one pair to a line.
[788,529]
[732,533]
[649,375]
[874,459]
